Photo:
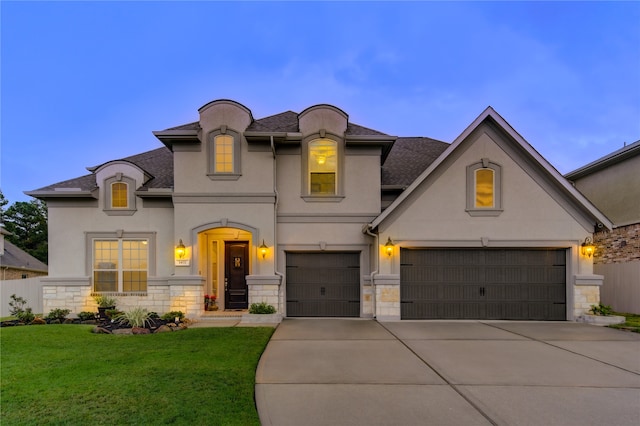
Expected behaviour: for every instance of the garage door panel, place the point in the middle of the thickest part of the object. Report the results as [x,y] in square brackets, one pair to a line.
[323,284]
[483,283]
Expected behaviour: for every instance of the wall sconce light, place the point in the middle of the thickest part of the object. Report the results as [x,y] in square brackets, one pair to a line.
[588,248]
[180,250]
[263,249]
[388,247]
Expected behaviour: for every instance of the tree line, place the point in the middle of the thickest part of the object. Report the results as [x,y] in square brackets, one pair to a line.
[27,223]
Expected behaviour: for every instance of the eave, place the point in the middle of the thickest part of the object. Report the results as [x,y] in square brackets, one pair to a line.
[64,193]
[177,137]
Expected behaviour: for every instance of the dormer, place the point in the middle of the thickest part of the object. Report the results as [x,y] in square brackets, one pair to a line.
[117,182]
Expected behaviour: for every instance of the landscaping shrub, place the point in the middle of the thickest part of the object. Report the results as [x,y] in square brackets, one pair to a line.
[18,308]
[601,309]
[170,316]
[136,317]
[87,316]
[58,314]
[261,308]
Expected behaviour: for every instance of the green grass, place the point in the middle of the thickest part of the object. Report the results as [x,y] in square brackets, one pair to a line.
[65,375]
[632,323]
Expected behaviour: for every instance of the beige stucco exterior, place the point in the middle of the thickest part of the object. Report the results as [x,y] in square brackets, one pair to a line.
[267,200]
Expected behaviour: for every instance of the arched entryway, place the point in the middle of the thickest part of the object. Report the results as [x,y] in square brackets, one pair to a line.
[224,261]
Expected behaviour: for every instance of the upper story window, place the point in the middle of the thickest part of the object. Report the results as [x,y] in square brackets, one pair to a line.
[224,154]
[120,198]
[484,188]
[322,170]
[323,167]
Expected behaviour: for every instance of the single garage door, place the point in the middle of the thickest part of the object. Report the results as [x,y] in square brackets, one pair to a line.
[323,284]
[512,284]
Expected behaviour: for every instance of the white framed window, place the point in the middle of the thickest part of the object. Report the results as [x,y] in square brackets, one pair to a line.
[224,154]
[120,265]
[484,188]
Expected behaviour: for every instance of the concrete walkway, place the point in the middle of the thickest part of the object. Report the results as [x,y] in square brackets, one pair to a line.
[361,372]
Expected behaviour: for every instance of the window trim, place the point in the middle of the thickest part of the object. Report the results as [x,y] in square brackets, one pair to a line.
[211,154]
[120,236]
[108,196]
[471,189]
[306,173]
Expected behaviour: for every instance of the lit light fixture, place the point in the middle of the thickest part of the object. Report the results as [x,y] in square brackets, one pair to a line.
[588,248]
[180,250]
[263,249]
[388,247]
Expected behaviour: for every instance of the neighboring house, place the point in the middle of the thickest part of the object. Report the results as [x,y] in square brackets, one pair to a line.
[612,183]
[17,264]
[319,216]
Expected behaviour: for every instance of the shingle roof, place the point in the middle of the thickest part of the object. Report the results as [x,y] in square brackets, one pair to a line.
[15,257]
[158,163]
[408,158]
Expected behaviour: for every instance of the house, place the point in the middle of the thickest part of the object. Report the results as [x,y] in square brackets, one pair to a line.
[612,183]
[17,264]
[320,217]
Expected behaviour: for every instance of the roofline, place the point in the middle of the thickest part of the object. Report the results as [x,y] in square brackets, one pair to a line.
[63,193]
[489,112]
[608,160]
[171,137]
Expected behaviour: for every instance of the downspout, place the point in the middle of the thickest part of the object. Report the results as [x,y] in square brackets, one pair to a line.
[367,230]
[275,226]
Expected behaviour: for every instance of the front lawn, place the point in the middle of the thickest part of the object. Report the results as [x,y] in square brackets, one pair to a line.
[632,323]
[64,374]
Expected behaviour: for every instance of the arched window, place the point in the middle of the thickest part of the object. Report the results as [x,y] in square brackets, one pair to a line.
[484,188]
[223,147]
[119,195]
[224,154]
[323,167]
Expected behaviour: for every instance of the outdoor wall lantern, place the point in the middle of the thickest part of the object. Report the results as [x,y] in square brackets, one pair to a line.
[263,249]
[588,248]
[388,247]
[180,250]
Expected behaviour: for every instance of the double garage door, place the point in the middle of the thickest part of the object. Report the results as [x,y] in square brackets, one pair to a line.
[323,284]
[512,284]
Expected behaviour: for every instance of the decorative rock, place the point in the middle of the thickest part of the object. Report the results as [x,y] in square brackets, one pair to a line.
[163,329]
[68,321]
[140,330]
[100,330]
[122,331]
[38,321]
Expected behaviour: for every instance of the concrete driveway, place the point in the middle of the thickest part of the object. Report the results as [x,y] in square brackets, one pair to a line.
[362,372]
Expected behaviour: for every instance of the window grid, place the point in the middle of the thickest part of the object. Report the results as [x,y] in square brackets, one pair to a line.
[120,265]
[119,195]
[323,167]
[223,146]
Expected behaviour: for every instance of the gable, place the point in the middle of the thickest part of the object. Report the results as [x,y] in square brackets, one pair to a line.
[534,193]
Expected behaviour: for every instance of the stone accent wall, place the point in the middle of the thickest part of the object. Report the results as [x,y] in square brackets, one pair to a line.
[267,293]
[187,298]
[617,246]
[77,298]
[388,302]
[583,297]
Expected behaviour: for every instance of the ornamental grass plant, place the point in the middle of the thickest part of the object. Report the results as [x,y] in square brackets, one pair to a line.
[64,374]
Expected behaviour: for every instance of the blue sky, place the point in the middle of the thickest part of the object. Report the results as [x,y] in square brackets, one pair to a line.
[87,82]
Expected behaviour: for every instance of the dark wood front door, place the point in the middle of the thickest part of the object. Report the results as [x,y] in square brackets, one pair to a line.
[236,292]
